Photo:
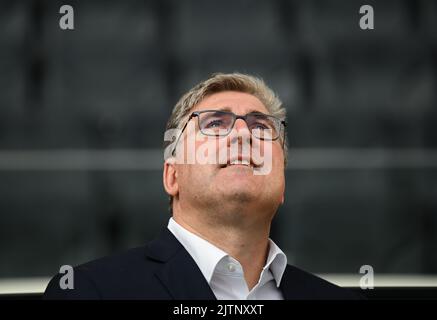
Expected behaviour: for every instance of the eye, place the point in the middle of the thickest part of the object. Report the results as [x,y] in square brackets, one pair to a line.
[214,123]
[260,126]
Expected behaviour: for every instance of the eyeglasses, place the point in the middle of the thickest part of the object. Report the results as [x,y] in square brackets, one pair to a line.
[220,123]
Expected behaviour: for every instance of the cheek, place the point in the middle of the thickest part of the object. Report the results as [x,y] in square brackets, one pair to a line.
[199,175]
[278,155]
[270,153]
[278,172]
[188,180]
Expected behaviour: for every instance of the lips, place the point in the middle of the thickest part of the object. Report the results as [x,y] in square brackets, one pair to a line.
[240,161]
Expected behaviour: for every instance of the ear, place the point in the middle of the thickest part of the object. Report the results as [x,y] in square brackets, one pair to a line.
[170,177]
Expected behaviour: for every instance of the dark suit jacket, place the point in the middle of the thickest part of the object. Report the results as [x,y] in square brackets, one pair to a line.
[163,269]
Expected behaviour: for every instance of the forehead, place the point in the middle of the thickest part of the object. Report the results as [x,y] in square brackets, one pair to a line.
[237,102]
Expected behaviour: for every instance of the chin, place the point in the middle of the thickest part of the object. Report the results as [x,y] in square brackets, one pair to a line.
[240,196]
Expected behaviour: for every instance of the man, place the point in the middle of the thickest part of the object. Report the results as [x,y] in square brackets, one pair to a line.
[216,245]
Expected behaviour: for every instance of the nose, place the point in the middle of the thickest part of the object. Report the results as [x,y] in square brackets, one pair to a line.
[240,132]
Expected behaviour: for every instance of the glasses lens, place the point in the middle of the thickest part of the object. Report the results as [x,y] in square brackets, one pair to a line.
[214,123]
[263,126]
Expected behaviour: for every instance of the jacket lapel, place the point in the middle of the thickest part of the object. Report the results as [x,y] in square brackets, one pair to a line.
[179,273]
[286,285]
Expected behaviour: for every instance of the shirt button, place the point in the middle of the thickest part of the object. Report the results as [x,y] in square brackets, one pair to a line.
[231,267]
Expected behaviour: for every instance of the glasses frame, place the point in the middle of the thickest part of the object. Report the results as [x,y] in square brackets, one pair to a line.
[235,118]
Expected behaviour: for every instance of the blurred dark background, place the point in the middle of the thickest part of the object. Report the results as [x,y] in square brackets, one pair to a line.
[82,117]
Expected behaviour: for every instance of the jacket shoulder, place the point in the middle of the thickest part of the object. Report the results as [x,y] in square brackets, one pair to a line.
[300,284]
[119,276]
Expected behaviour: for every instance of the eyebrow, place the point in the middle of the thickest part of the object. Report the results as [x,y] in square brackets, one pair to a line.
[226,108]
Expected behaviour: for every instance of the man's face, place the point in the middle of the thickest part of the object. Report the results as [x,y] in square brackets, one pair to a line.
[234,189]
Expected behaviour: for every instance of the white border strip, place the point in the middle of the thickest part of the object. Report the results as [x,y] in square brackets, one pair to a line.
[23,285]
[152,159]
[387,280]
[38,285]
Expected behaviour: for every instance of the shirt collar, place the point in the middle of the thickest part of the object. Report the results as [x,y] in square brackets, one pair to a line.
[204,253]
[276,261]
[207,255]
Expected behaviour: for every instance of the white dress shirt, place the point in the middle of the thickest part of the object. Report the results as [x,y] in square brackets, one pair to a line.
[225,275]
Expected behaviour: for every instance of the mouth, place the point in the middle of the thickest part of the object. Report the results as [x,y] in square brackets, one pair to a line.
[239,162]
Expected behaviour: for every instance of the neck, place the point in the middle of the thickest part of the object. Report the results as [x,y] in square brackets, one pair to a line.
[247,243]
